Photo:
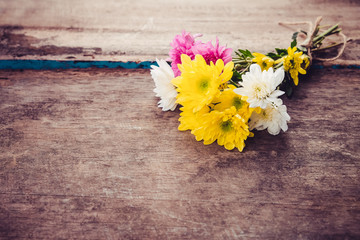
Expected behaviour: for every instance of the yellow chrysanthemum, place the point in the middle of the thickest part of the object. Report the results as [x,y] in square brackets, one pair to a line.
[190,120]
[293,63]
[263,61]
[199,83]
[229,98]
[228,127]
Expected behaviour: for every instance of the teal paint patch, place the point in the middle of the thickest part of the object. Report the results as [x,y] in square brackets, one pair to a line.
[316,67]
[53,64]
[341,67]
[336,66]
[354,66]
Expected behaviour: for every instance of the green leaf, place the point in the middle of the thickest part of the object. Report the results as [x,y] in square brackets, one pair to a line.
[243,52]
[304,32]
[281,51]
[289,90]
[238,53]
[246,53]
[293,43]
[236,76]
[288,85]
[294,36]
[249,54]
[273,55]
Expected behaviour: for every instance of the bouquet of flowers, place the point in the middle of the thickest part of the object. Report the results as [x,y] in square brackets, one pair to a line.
[223,98]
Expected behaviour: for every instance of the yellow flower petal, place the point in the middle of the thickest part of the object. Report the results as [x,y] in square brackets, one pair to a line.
[263,61]
[293,62]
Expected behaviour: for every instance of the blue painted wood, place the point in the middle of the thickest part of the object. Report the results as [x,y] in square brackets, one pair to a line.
[53,64]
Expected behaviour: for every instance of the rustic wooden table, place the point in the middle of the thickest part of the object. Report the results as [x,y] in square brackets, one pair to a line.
[86,154]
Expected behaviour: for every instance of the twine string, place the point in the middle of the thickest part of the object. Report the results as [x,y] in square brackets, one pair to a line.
[307,43]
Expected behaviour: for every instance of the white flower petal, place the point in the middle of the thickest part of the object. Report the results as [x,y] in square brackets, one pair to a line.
[240,91]
[255,68]
[284,126]
[260,86]
[277,93]
[162,76]
[273,118]
[273,129]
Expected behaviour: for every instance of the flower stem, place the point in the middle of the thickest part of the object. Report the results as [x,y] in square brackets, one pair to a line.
[319,38]
[234,83]
[327,47]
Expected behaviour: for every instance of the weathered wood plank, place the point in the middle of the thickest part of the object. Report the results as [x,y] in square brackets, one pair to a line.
[88,155]
[142,30]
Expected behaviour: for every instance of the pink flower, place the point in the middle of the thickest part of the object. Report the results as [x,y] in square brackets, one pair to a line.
[212,53]
[186,44]
[182,44]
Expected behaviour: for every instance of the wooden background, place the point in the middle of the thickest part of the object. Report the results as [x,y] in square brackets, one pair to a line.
[139,30]
[86,154]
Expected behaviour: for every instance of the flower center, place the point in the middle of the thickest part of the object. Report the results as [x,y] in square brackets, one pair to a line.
[267,114]
[226,126]
[237,103]
[204,84]
[264,65]
[260,91]
[292,63]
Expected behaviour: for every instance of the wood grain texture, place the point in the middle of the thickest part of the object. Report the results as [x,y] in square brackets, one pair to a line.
[88,155]
[142,30]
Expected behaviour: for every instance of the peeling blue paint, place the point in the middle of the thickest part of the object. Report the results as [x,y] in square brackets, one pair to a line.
[341,67]
[354,66]
[316,67]
[53,64]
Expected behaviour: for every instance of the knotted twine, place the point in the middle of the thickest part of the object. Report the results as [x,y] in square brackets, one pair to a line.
[308,42]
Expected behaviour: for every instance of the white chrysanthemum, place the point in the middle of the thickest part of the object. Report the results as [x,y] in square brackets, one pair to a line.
[260,86]
[273,118]
[162,76]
